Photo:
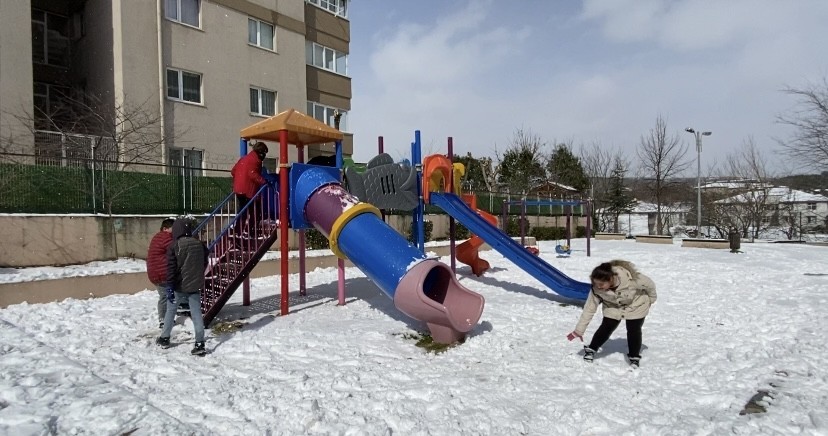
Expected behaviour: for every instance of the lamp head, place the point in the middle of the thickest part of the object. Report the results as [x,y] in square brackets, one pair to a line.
[707,133]
[690,129]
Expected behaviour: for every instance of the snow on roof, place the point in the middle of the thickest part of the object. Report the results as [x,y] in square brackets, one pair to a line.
[779,194]
[644,207]
[734,184]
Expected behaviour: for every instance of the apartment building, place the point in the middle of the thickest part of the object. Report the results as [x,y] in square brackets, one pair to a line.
[194,72]
[778,206]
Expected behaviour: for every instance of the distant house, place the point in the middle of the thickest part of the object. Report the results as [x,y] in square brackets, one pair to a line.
[784,207]
[554,190]
[672,215]
[726,186]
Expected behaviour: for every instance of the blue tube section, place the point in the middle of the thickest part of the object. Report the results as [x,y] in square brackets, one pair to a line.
[309,180]
[378,251]
[371,244]
[340,161]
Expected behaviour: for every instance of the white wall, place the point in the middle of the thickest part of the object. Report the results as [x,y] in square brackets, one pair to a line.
[15,72]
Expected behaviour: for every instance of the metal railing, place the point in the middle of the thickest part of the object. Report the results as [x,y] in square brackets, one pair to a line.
[44,183]
[236,242]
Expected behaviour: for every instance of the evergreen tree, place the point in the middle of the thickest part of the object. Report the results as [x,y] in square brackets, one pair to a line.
[565,168]
[521,169]
[477,172]
[618,197]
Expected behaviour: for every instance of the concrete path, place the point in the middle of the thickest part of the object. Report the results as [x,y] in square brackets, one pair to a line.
[45,291]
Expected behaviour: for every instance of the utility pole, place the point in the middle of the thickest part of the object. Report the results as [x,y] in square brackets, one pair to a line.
[698,136]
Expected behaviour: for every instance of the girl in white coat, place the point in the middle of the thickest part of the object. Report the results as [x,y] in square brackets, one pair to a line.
[623,293]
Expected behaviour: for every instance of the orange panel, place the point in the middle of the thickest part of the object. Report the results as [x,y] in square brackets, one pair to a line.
[437,172]
[471,200]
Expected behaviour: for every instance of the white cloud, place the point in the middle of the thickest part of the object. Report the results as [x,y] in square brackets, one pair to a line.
[443,53]
[701,24]
[602,73]
[429,72]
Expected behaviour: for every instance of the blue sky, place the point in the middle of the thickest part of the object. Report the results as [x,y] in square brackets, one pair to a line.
[590,71]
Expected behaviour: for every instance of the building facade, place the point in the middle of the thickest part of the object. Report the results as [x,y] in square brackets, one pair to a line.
[191,73]
[793,211]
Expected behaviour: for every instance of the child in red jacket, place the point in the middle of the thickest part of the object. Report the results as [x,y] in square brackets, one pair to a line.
[157,265]
[247,179]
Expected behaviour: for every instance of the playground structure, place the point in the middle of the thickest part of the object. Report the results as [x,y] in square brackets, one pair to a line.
[303,196]
[439,186]
[312,196]
[469,252]
[567,206]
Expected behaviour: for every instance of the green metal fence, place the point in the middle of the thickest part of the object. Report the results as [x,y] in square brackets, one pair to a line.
[492,202]
[84,186]
[101,188]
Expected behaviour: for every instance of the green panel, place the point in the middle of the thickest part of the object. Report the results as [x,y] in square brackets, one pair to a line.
[54,189]
[48,189]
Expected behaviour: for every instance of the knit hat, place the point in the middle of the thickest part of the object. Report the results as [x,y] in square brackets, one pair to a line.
[260,148]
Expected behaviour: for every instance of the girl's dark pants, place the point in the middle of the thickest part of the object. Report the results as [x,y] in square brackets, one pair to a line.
[609,325]
[252,213]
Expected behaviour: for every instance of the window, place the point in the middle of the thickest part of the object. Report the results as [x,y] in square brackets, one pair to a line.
[260,34]
[326,58]
[54,106]
[183,86]
[50,38]
[183,11]
[49,98]
[272,164]
[185,161]
[336,7]
[811,219]
[811,206]
[262,102]
[326,115]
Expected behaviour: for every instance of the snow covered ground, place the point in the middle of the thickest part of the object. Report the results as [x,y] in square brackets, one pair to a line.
[726,326]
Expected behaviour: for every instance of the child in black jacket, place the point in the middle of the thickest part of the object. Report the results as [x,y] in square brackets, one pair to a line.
[186,260]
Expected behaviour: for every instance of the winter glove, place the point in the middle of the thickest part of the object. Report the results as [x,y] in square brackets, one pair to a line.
[171,296]
[574,335]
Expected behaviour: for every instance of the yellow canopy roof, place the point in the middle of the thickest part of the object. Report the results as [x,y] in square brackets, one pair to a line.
[302,129]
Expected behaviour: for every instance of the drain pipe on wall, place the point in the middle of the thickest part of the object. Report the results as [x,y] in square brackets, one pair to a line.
[161,94]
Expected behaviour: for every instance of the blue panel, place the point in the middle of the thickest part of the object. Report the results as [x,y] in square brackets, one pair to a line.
[378,251]
[312,178]
[270,209]
[550,203]
[537,268]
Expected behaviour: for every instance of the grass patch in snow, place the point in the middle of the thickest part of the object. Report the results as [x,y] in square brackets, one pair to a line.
[758,403]
[426,342]
[227,327]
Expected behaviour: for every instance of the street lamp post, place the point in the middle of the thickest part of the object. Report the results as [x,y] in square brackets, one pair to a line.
[698,136]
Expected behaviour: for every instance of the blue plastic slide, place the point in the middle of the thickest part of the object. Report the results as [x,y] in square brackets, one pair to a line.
[557,281]
[422,288]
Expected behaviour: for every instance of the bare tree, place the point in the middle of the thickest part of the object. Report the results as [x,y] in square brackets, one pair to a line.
[809,143]
[521,168]
[10,164]
[751,208]
[599,164]
[478,172]
[127,133]
[488,173]
[788,218]
[662,157]
[108,139]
